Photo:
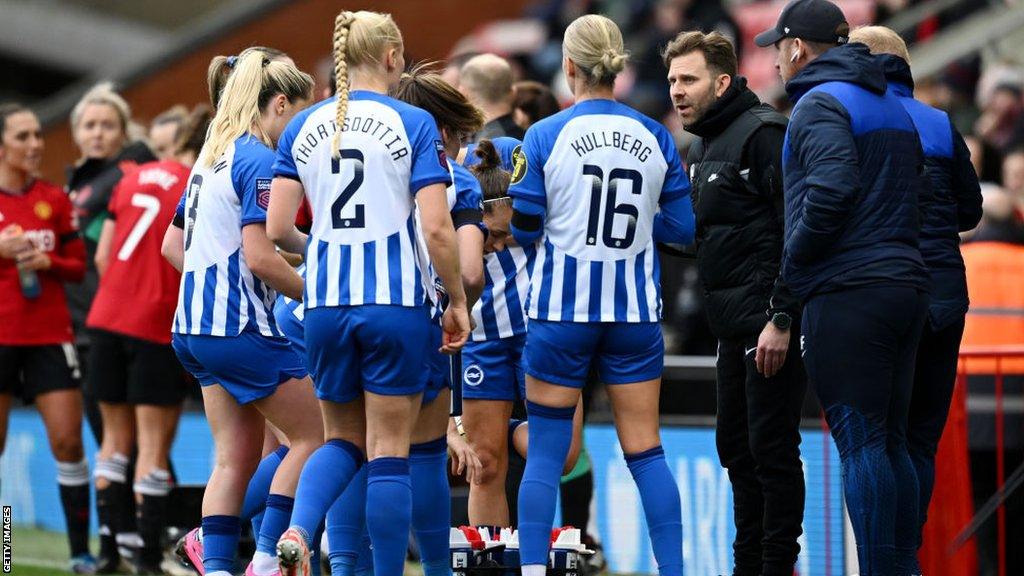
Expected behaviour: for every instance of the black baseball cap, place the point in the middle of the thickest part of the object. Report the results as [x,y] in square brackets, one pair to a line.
[814,20]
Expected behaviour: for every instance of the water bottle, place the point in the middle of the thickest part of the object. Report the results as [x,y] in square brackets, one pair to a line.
[29,281]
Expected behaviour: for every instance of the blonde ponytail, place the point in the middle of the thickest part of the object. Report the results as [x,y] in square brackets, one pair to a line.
[342,25]
[254,80]
[594,44]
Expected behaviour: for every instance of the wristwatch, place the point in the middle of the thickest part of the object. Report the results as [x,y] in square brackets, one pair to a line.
[782,321]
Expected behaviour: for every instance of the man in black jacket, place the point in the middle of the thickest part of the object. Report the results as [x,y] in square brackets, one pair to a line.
[736,174]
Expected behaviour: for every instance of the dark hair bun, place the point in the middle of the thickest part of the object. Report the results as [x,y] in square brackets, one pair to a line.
[488,155]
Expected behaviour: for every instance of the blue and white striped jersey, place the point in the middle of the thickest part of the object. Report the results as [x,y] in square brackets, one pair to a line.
[465,203]
[362,245]
[600,169]
[219,296]
[500,311]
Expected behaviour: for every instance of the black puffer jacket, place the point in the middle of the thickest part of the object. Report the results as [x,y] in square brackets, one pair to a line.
[736,175]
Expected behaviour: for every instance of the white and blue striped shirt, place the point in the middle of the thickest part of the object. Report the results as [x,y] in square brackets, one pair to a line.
[362,245]
[219,296]
[501,310]
[600,169]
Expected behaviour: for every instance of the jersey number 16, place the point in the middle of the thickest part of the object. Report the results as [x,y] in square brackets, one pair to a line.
[611,209]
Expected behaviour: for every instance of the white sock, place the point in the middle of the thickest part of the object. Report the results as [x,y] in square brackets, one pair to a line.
[529,570]
[264,564]
[219,573]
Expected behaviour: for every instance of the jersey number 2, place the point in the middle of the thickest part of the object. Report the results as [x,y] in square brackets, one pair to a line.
[359,221]
[150,207]
[611,209]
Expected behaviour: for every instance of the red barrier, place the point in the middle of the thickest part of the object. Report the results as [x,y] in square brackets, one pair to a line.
[952,506]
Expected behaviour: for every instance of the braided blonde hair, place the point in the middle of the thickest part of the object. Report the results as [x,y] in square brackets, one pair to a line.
[359,38]
[594,44]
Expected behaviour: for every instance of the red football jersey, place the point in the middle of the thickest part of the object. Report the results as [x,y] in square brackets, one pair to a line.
[138,292]
[45,215]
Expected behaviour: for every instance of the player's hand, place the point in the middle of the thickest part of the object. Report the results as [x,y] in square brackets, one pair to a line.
[772,346]
[13,242]
[464,459]
[454,329]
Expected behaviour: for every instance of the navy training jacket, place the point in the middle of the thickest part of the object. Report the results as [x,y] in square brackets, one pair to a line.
[954,204]
[852,166]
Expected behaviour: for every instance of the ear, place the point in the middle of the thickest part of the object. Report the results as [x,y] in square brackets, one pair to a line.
[570,69]
[722,84]
[799,47]
[391,59]
[278,104]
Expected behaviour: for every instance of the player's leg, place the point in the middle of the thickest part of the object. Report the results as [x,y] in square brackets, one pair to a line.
[5,414]
[294,410]
[630,361]
[431,494]
[275,448]
[157,426]
[487,503]
[51,373]
[333,355]
[346,527]
[106,384]
[236,431]
[557,356]
[394,355]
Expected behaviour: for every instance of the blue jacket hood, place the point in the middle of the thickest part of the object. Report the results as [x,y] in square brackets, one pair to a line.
[851,63]
[897,74]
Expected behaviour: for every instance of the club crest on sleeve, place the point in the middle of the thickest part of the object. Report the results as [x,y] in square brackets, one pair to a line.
[263,192]
[442,158]
[519,165]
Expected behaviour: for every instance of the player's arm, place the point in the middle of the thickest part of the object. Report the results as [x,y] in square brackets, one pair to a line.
[262,258]
[527,189]
[102,258]
[285,199]
[471,262]
[67,261]
[442,246]
[173,246]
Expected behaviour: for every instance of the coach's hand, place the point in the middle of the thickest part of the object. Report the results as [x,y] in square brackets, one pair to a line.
[772,346]
[455,328]
[464,459]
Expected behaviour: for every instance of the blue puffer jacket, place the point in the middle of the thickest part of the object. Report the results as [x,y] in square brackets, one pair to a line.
[851,169]
[954,204]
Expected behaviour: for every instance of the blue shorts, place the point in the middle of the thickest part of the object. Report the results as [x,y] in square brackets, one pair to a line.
[493,370]
[562,352]
[376,348]
[439,366]
[249,366]
[292,329]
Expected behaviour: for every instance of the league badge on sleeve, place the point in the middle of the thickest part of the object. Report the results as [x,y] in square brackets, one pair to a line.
[519,165]
[263,192]
[442,158]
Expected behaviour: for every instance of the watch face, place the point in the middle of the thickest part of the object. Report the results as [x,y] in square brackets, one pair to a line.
[782,321]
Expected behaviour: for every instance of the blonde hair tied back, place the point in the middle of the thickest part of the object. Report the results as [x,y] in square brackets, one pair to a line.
[254,80]
[594,44]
